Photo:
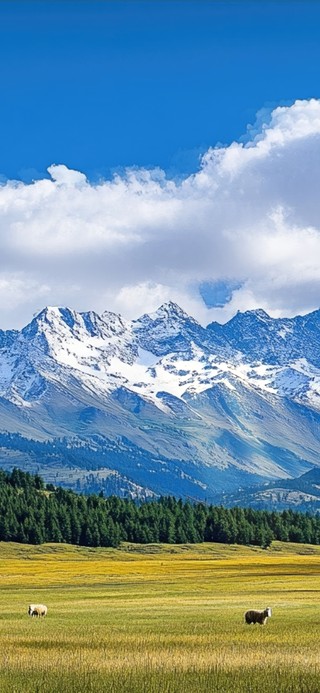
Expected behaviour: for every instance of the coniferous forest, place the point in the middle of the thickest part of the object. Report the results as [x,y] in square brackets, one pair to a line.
[34,512]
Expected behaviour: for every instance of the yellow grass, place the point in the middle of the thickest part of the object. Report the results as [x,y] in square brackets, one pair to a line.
[159,619]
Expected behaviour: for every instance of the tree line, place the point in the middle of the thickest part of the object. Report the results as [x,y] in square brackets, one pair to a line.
[33,512]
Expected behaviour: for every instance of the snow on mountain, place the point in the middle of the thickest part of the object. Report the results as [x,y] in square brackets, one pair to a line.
[168,330]
[275,341]
[202,407]
[60,343]
[79,339]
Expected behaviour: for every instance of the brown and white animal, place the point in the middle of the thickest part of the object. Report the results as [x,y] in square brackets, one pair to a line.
[261,617]
[37,610]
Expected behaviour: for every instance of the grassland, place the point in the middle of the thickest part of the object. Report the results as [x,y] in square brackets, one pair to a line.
[159,619]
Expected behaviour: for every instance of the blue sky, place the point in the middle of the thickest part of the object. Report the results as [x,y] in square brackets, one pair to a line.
[102,85]
[154,151]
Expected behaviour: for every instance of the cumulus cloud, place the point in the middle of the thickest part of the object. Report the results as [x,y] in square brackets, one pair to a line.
[249,216]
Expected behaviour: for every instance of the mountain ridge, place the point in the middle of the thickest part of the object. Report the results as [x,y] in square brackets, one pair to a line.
[239,401]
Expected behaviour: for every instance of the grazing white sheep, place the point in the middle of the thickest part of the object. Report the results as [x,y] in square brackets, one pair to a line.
[261,617]
[37,610]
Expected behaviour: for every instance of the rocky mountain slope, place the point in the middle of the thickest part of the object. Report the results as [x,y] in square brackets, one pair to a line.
[161,404]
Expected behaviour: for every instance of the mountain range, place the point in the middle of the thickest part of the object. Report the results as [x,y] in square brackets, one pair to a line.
[161,404]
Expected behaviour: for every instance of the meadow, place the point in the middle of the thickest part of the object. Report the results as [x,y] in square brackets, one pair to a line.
[159,619]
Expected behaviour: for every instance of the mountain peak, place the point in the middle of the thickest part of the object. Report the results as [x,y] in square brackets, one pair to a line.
[259,313]
[46,313]
[68,324]
[43,320]
[169,329]
[167,313]
[254,313]
[169,309]
[53,314]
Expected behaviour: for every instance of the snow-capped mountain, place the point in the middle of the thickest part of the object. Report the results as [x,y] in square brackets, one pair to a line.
[171,406]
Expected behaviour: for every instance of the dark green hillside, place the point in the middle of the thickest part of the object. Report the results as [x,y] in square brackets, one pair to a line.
[32,512]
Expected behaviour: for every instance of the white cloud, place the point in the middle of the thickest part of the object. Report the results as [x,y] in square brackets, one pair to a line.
[249,215]
[63,175]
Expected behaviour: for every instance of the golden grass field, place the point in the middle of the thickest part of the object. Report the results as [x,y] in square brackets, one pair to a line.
[159,619]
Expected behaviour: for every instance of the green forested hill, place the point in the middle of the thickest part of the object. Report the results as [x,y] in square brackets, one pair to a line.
[32,512]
